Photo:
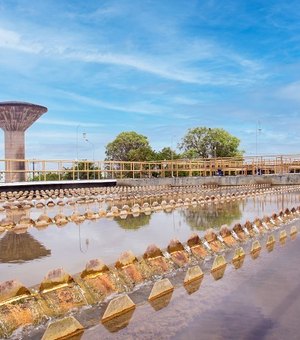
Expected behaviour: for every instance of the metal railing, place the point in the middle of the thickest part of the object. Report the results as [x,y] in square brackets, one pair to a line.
[13,170]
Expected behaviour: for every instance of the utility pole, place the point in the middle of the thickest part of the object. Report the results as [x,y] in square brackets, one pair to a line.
[257,133]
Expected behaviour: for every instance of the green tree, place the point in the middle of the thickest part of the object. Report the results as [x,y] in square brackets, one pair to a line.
[206,142]
[129,146]
[49,176]
[81,171]
[166,154]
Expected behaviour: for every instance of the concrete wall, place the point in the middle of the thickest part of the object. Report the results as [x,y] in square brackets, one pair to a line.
[224,180]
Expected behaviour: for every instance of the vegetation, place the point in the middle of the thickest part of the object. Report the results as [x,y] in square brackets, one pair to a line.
[129,146]
[49,176]
[80,171]
[199,142]
[166,154]
[206,143]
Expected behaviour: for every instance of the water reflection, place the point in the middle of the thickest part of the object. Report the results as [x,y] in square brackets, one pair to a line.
[17,248]
[108,238]
[161,302]
[134,223]
[16,215]
[202,218]
[119,322]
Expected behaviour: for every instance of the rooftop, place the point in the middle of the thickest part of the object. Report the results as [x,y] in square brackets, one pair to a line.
[18,116]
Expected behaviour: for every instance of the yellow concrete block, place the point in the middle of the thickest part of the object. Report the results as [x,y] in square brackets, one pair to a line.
[282,237]
[255,249]
[270,242]
[62,329]
[118,306]
[293,231]
[192,274]
[160,288]
[238,258]
[12,290]
[218,267]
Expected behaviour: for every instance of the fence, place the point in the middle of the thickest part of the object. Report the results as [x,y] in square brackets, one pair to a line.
[13,170]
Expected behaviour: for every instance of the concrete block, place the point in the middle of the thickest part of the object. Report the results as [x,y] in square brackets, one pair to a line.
[193,286]
[161,288]
[293,231]
[196,246]
[161,302]
[97,281]
[94,267]
[238,258]
[270,243]
[152,251]
[175,246]
[59,289]
[282,237]
[155,260]
[18,308]
[12,290]
[192,274]
[127,266]
[125,259]
[117,307]
[218,268]
[64,328]
[55,278]
[255,249]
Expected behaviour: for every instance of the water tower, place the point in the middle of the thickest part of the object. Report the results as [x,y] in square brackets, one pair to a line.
[15,118]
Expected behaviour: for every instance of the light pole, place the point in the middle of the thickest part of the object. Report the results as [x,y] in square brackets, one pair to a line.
[257,133]
[77,152]
[93,146]
[172,156]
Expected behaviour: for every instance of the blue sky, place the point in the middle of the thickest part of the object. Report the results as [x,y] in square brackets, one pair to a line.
[156,67]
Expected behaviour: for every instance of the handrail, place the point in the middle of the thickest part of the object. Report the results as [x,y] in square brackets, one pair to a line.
[12,170]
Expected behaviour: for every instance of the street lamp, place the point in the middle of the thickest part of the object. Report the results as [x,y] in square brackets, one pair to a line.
[257,133]
[172,154]
[93,146]
[77,152]
[77,147]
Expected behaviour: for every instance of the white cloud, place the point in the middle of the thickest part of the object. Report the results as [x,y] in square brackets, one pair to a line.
[140,107]
[58,122]
[291,91]
[179,66]
[13,40]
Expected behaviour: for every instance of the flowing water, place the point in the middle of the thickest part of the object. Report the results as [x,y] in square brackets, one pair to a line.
[30,255]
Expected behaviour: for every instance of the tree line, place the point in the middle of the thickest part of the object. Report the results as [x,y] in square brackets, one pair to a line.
[199,142]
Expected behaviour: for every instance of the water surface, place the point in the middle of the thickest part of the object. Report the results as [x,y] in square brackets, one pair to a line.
[29,256]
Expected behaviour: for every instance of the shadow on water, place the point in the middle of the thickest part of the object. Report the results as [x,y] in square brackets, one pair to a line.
[17,248]
[212,215]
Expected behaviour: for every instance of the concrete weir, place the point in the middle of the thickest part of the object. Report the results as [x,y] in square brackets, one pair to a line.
[60,293]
